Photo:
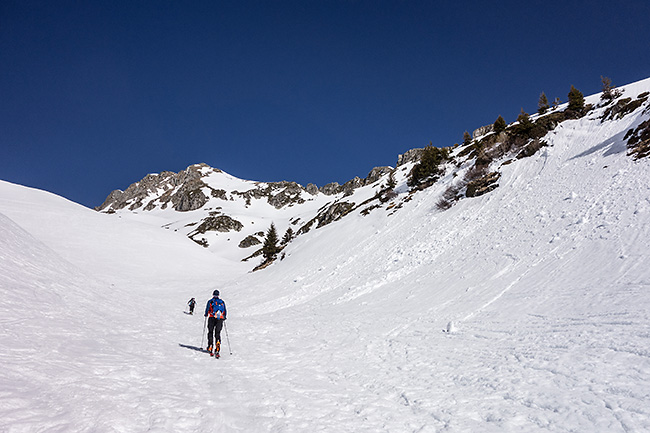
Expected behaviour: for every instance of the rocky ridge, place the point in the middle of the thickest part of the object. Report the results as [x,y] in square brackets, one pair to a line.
[213,208]
[186,191]
[206,202]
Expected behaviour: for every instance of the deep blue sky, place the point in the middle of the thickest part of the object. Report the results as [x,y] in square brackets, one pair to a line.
[95,95]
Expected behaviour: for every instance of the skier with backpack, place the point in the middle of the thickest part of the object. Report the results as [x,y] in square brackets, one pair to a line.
[191,303]
[215,312]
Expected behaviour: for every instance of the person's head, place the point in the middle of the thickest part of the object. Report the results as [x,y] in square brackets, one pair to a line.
[215,293]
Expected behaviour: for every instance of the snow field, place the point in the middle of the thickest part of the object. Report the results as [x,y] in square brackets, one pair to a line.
[543,284]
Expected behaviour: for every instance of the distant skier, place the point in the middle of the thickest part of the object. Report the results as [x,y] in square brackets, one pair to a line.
[192,303]
[215,311]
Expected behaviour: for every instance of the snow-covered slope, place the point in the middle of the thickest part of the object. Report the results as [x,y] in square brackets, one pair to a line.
[110,247]
[524,309]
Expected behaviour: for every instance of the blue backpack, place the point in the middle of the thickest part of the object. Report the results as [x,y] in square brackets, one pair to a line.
[217,308]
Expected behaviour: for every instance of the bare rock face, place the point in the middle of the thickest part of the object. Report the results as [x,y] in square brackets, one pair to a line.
[530,149]
[479,132]
[334,212]
[219,193]
[625,106]
[290,194]
[251,194]
[189,196]
[114,197]
[349,186]
[638,141]
[183,190]
[412,155]
[186,191]
[376,174]
[483,185]
[249,241]
[134,195]
[327,215]
[311,189]
[331,188]
[221,223]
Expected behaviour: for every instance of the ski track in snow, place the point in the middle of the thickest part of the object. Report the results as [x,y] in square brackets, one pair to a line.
[544,283]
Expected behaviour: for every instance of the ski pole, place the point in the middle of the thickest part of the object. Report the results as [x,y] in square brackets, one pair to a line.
[203,335]
[227,338]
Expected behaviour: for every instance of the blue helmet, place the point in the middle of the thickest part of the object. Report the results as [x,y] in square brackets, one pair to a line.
[215,293]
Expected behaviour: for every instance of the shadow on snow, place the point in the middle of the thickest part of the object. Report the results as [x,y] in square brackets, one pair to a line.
[198,349]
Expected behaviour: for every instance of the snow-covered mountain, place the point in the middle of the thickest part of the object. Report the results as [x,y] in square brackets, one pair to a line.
[229,215]
[509,293]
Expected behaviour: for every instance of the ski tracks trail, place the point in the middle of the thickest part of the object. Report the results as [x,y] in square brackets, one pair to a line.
[536,371]
[289,375]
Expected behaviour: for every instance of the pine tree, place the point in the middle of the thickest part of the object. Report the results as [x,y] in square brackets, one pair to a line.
[467,138]
[288,236]
[542,104]
[525,125]
[523,116]
[499,125]
[429,166]
[270,248]
[576,100]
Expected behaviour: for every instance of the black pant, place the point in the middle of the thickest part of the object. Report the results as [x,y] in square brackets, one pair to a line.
[214,325]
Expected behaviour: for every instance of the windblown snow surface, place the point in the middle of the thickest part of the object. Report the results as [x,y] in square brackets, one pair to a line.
[526,309]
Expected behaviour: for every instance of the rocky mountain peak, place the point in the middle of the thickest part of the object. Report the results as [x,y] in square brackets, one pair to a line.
[181,189]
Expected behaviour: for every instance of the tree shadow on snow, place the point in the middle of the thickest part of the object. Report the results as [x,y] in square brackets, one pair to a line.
[613,145]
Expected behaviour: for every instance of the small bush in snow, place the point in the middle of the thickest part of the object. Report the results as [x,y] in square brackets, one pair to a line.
[609,91]
[449,197]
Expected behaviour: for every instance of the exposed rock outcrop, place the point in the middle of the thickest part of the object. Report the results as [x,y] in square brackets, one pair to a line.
[311,189]
[189,196]
[412,155]
[219,193]
[290,194]
[638,140]
[376,174]
[183,190]
[249,241]
[483,185]
[622,107]
[479,132]
[331,188]
[334,212]
[349,186]
[251,194]
[221,223]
